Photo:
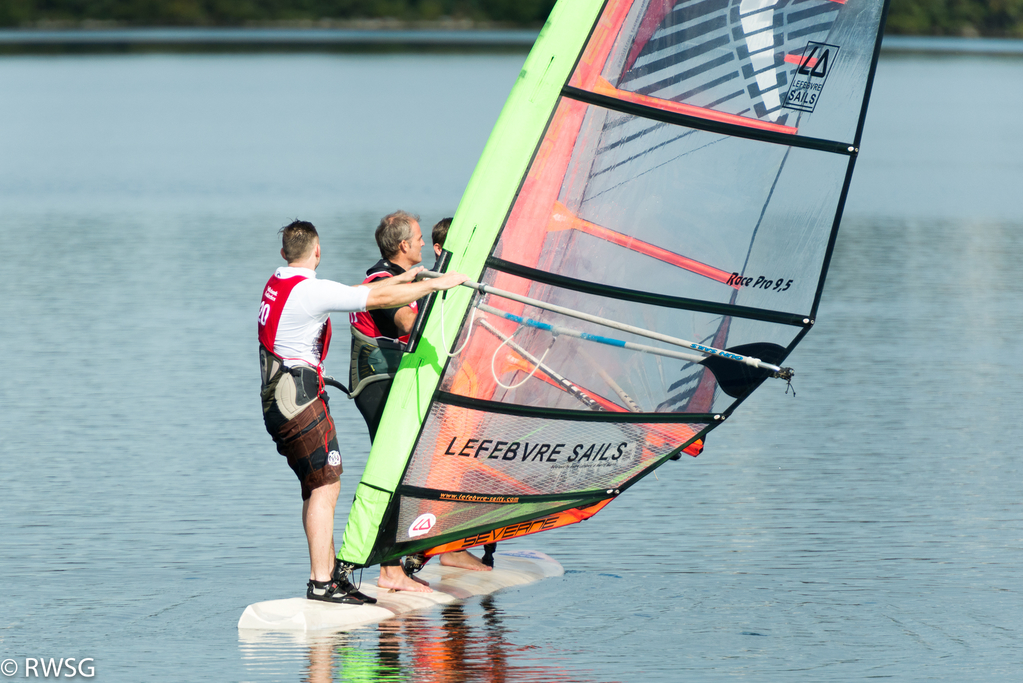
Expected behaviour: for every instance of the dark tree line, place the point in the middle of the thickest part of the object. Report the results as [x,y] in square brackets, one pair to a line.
[1002,18]
[241,12]
[993,18]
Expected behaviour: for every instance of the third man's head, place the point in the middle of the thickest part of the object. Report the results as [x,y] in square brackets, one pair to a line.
[440,233]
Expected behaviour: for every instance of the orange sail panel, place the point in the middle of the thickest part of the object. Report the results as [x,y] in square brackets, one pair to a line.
[532,526]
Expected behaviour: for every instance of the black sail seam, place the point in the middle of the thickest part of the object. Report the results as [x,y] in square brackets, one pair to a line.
[636,296]
[497,498]
[376,488]
[707,125]
[574,415]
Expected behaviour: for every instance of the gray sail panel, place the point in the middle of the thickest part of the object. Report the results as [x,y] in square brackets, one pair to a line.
[749,58]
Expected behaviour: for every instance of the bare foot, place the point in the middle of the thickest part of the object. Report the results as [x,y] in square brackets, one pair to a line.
[394,578]
[463,559]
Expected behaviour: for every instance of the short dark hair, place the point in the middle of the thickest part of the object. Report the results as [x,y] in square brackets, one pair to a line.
[440,231]
[394,228]
[297,239]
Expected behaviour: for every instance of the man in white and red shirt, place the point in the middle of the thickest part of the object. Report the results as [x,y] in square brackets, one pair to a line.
[294,337]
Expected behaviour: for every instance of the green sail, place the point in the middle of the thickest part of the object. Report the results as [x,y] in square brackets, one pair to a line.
[479,218]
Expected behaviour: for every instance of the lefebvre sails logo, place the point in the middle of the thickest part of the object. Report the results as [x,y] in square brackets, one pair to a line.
[552,455]
[815,64]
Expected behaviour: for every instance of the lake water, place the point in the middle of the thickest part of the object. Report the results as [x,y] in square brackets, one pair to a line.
[870,527]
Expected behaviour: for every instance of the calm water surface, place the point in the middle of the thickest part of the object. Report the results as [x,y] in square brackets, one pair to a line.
[870,527]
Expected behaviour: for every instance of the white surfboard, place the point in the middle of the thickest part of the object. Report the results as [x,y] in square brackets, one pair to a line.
[449,584]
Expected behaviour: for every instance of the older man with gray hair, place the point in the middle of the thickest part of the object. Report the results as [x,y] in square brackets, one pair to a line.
[378,342]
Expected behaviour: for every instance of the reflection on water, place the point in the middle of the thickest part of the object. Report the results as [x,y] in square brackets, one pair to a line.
[463,643]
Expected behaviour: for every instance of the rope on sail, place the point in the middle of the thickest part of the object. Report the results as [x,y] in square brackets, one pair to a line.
[444,337]
[507,341]
[538,364]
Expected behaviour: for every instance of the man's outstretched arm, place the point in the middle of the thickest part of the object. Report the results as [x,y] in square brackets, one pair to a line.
[397,291]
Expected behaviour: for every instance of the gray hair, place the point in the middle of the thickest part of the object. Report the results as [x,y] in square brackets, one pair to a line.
[393,229]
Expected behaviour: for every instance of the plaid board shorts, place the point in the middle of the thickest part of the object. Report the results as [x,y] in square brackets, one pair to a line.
[309,442]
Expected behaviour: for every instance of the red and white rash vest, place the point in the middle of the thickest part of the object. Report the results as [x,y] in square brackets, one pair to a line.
[293,315]
[275,296]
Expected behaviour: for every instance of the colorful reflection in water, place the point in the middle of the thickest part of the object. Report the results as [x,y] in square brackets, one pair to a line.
[460,643]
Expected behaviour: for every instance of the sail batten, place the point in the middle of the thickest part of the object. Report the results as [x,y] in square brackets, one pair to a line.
[676,167]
